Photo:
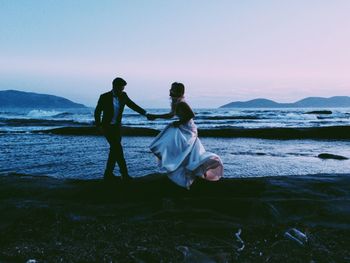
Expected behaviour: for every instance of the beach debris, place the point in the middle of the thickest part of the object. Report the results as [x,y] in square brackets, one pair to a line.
[274,211]
[31,261]
[332,156]
[296,236]
[193,255]
[239,240]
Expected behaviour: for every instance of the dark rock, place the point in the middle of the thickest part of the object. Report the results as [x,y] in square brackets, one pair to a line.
[331,132]
[91,130]
[331,156]
[326,112]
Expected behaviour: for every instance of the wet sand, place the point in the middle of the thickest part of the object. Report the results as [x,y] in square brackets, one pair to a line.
[153,220]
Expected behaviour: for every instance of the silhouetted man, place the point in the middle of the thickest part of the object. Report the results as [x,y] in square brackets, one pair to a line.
[112,105]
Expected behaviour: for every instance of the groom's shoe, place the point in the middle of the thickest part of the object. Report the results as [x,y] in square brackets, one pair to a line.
[109,176]
[127,178]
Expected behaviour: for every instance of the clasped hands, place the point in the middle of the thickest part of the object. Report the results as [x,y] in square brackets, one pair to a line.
[152,117]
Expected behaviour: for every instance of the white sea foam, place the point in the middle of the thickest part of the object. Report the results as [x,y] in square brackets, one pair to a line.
[42,113]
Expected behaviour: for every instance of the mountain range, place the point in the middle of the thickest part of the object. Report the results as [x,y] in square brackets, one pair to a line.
[310,102]
[21,99]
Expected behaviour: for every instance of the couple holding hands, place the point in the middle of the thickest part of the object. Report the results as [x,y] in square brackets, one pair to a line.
[178,148]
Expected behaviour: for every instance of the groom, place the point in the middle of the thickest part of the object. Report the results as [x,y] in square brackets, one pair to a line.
[112,105]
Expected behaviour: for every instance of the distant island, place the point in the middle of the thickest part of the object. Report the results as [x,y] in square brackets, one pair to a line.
[310,102]
[21,99]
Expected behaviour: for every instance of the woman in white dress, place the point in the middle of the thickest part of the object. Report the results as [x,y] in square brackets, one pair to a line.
[178,147]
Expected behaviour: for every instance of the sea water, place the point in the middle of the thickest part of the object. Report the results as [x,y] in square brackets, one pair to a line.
[29,119]
[22,151]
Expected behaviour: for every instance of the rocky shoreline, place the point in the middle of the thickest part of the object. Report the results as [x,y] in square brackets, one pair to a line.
[330,132]
[152,220]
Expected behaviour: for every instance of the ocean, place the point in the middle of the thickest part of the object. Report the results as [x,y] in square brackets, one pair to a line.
[26,150]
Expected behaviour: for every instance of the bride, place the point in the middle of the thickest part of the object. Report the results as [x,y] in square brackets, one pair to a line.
[178,147]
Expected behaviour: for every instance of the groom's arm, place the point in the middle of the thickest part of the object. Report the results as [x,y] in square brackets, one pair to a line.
[132,105]
[97,113]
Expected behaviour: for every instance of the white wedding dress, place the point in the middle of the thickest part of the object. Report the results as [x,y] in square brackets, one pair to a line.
[183,156]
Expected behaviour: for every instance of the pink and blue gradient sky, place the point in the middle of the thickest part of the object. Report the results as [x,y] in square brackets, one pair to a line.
[222,51]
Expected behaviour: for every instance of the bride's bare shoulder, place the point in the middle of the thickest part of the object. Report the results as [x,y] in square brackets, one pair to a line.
[183,104]
[183,107]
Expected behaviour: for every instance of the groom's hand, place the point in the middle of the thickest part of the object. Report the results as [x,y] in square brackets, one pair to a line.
[150,117]
[100,129]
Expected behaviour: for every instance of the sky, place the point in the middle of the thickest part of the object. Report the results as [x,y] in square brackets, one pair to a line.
[223,51]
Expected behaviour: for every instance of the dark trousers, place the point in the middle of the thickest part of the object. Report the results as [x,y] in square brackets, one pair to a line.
[116,154]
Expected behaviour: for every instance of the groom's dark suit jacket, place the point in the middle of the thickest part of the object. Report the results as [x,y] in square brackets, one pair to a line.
[105,105]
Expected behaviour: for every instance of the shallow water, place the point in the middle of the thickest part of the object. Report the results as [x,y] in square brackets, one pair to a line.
[85,156]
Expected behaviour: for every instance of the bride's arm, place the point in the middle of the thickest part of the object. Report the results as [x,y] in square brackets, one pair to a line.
[161,116]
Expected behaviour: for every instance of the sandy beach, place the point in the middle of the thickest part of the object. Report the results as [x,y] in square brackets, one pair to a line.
[152,220]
